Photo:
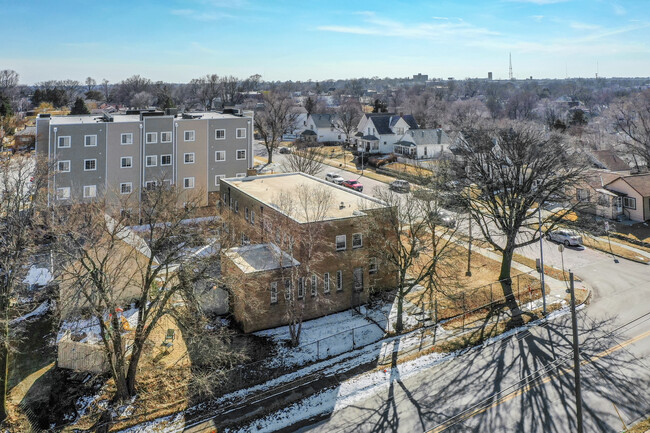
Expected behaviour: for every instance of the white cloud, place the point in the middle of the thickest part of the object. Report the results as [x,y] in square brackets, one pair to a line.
[440,18]
[538,18]
[583,26]
[374,25]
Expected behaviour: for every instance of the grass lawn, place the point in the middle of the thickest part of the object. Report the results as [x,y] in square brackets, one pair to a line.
[601,244]
[459,293]
[413,170]
[641,427]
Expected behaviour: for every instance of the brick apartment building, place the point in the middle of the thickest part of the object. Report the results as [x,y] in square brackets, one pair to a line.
[321,259]
[117,156]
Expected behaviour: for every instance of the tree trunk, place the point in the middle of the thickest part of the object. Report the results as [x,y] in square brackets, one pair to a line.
[269,152]
[399,326]
[136,353]
[506,285]
[4,359]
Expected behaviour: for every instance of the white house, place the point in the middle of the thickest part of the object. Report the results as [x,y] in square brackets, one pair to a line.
[322,128]
[424,144]
[379,132]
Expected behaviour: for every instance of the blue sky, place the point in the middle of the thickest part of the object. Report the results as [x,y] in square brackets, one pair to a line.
[174,40]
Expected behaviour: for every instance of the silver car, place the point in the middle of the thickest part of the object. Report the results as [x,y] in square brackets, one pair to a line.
[334,177]
[566,237]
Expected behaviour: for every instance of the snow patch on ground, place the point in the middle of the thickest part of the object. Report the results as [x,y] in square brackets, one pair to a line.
[39,311]
[38,276]
[91,328]
[363,386]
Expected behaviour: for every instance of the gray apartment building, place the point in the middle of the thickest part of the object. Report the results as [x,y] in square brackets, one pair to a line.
[116,156]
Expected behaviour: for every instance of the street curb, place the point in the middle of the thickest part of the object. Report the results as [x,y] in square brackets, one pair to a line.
[621,257]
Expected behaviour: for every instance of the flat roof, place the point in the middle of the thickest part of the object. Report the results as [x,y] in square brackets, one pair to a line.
[281,192]
[260,257]
[121,117]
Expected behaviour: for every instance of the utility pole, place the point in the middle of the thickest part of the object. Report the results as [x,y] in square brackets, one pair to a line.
[469,250]
[576,355]
[541,259]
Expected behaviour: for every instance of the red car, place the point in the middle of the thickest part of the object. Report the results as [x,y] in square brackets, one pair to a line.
[355,185]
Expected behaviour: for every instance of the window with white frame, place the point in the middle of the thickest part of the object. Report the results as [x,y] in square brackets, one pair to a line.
[373,268]
[629,203]
[217,177]
[301,287]
[241,154]
[340,242]
[245,240]
[188,182]
[90,191]
[126,188]
[126,162]
[220,155]
[339,281]
[166,137]
[357,240]
[151,137]
[241,133]
[236,206]
[64,166]
[126,138]
[274,292]
[63,193]
[240,175]
[150,184]
[90,164]
[90,140]
[288,290]
[64,141]
[188,158]
[326,282]
[165,159]
[357,275]
[219,134]
[167,182]
[151,161]
[252,217]
[189,135]
[246,213]
[314,287]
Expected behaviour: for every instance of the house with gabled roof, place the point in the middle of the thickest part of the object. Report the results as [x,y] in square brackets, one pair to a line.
[424,144]
[634,190]
[322,127]
[379,132]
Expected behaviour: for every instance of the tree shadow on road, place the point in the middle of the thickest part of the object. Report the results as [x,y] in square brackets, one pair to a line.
[521,383]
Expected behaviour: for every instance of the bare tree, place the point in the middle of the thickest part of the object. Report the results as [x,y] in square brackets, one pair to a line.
[90,84]
[229,90]
[274,120]
[8,82]
[21,184]
[206,89]
[308,160]
[108,265]
[510,171]
[411,237]
[142,100]
[632,121]
[348,115]
[297,236]
[105,89]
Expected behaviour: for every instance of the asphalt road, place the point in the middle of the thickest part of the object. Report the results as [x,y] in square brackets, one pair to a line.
[525,383]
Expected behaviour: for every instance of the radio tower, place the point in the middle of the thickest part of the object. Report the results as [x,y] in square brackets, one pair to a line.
[510,73]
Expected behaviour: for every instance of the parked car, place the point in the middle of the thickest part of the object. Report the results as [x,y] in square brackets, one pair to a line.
[284,149]
[400,186]
[566,237]
[443,218]
[355,185]
[333,177]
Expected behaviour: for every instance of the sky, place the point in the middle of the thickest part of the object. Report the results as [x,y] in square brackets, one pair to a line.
[175,41]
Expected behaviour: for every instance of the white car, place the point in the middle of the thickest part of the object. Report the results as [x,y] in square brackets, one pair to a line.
[566,237]
[333,177]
